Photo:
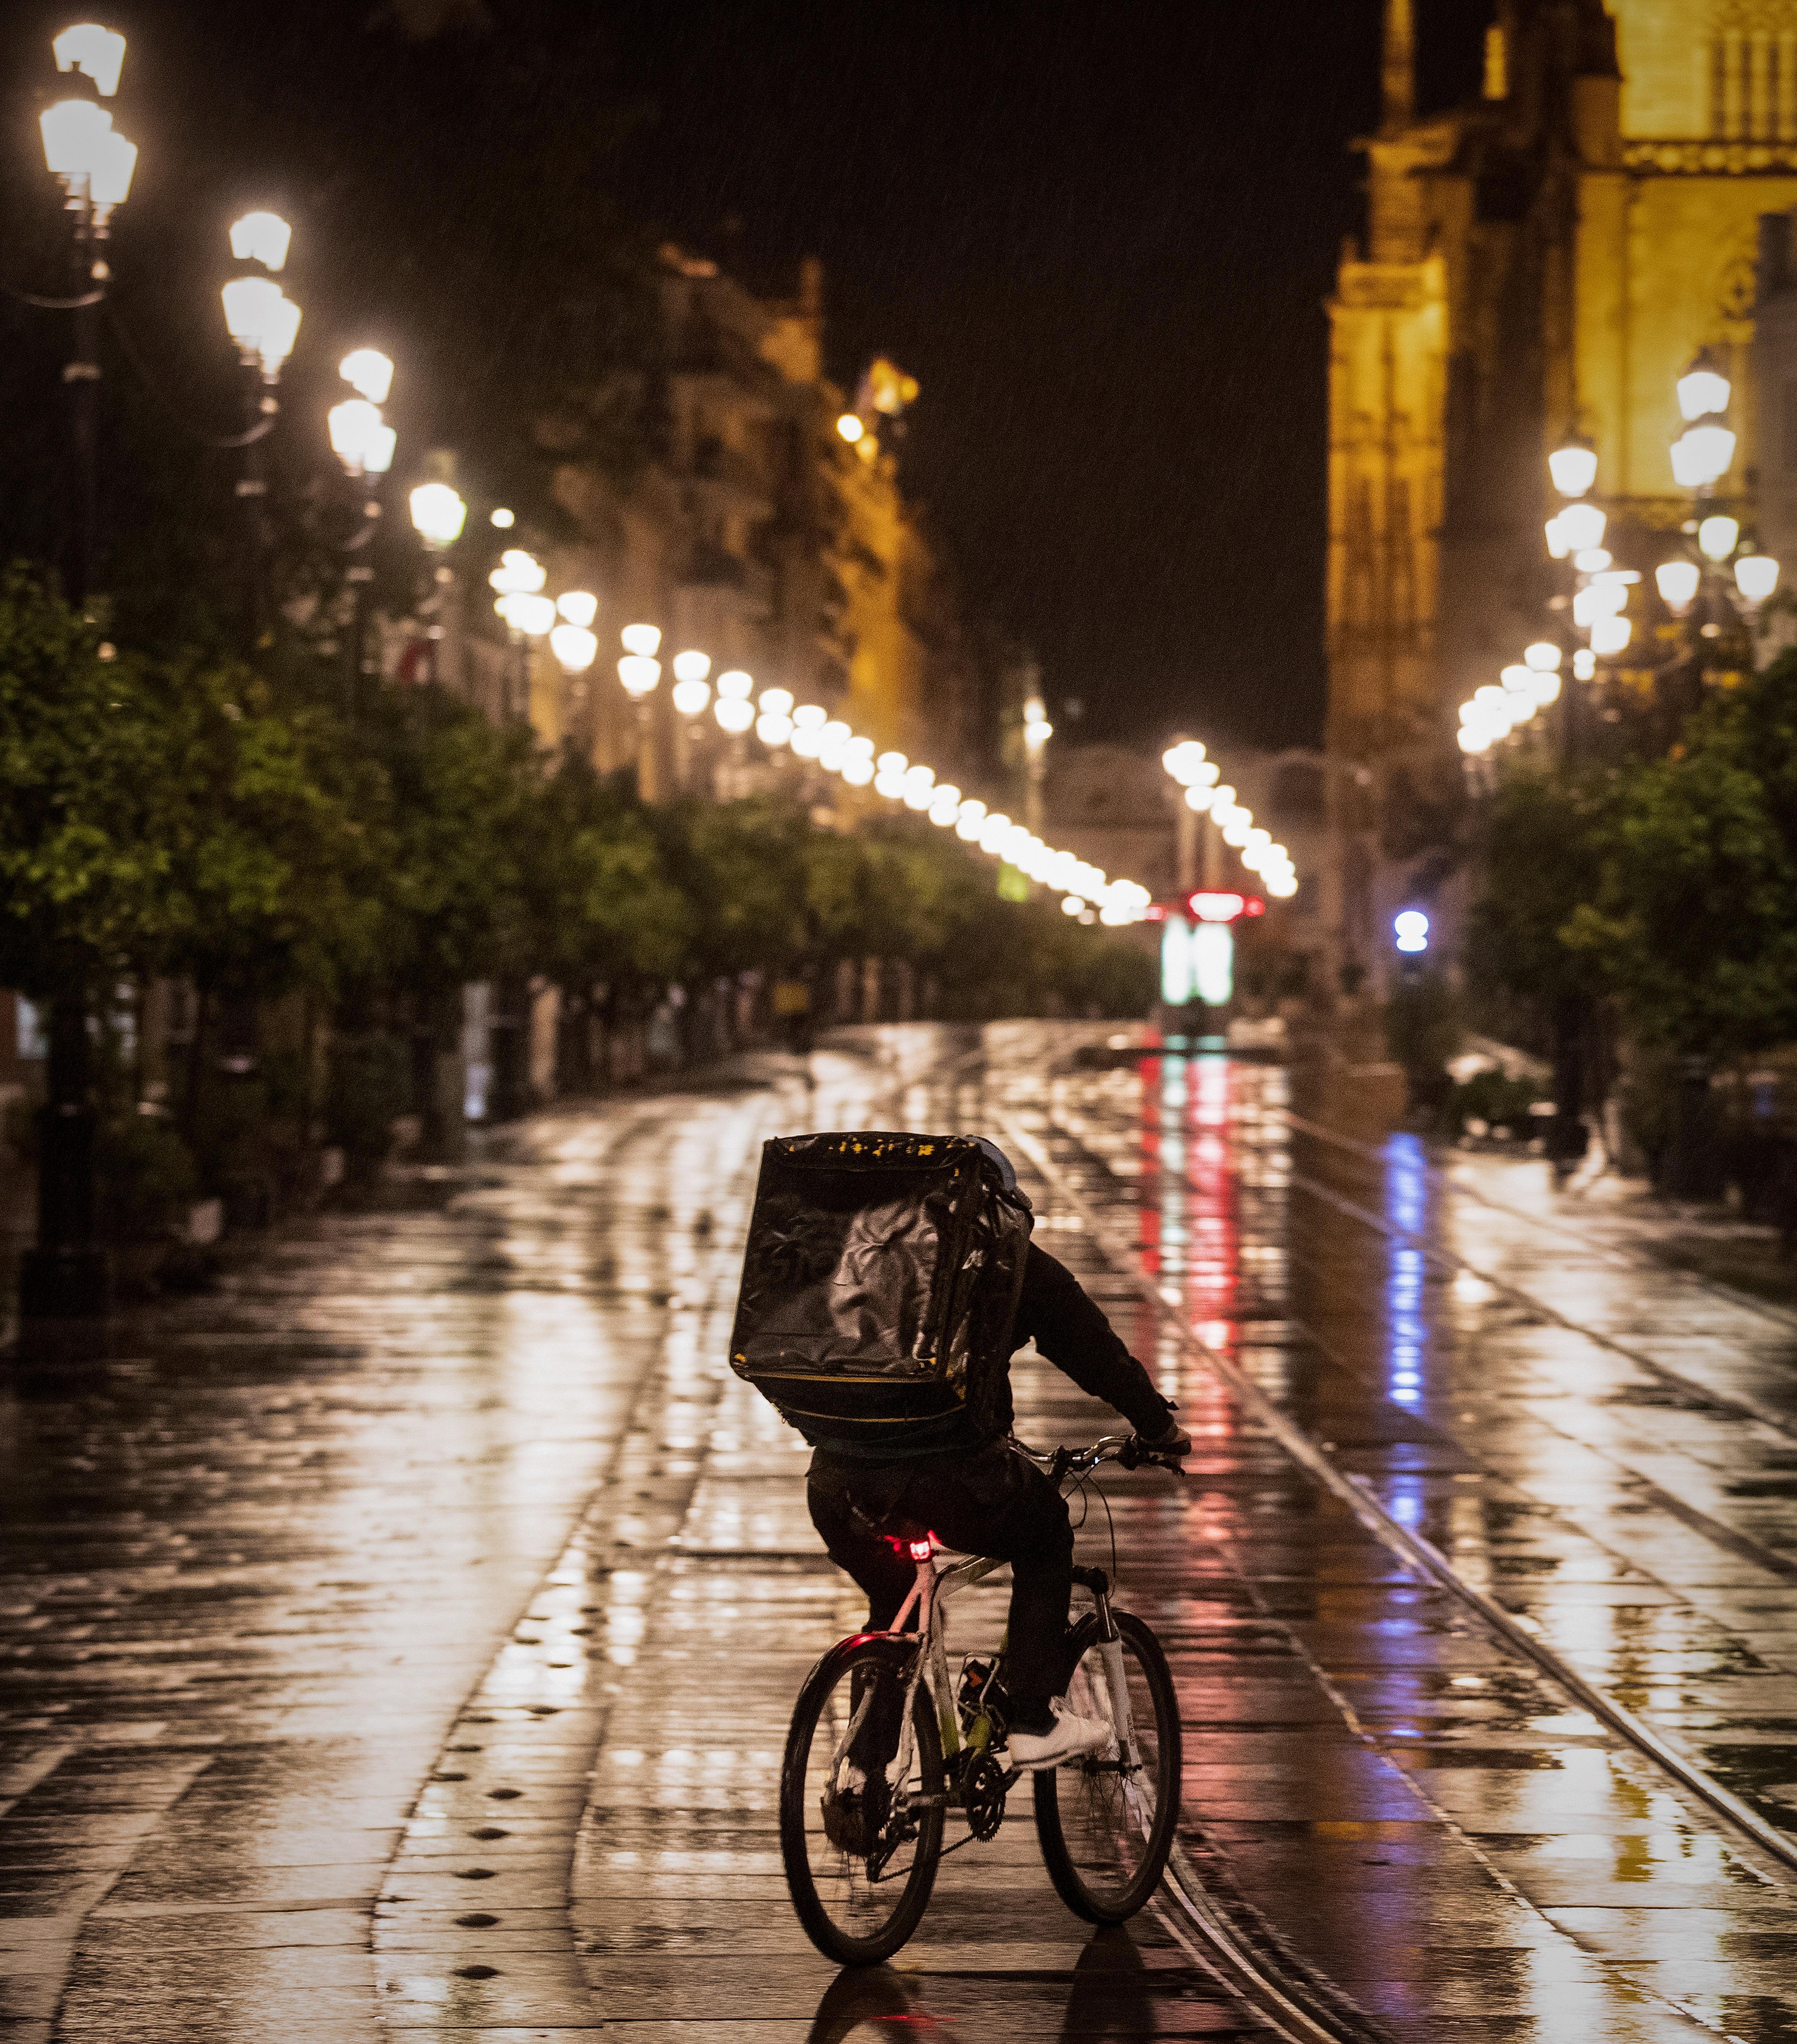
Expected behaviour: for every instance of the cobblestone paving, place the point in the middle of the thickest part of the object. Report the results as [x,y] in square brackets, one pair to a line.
[403,1640]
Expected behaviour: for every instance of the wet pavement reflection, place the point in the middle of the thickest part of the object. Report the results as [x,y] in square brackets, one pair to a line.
[403,1639]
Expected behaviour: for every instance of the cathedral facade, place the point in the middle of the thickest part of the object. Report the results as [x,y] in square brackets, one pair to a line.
[1546,259]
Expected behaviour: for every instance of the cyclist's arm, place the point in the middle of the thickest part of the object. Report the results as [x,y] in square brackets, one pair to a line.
[1055,1312]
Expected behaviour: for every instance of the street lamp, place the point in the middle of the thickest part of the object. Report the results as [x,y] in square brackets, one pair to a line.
[1703,453]
[1756,577]
[774,727]
[1677,583]
[639,671]
[65,1274]
[734,712]
[98,53]
[368,372]
[1717,536]
[364,442]
[1037,733]
[1573,466]
[94,163]
[575,647]
[264,322]
[528,613]
[438,515]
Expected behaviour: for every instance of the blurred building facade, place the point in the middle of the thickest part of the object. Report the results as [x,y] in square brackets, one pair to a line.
[756,532]
[1548,257]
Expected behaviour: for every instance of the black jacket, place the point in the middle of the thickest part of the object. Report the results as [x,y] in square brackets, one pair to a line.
[1054,1312]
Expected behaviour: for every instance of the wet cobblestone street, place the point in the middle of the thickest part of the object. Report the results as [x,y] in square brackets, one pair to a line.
[401,1638]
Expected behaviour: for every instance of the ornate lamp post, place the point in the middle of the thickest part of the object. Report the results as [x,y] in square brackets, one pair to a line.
[692,696]
[66,1275]
[264,322]
[1037,733]
[438,516]
[528,614]
[575,647]
[639,671]
[364,442]
[94,163]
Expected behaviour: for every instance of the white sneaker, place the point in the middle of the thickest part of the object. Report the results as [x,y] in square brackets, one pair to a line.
[1070,1736]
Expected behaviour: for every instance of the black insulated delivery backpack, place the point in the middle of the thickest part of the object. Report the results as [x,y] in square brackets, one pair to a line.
[880,1284]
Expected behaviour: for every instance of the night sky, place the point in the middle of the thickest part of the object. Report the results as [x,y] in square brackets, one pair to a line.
[1100,236]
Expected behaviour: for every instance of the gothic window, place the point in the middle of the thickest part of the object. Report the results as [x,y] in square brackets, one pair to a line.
[1401,583]
[1360,602]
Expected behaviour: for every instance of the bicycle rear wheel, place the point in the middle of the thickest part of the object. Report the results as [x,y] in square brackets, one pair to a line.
[859,1846]
[1106,1820]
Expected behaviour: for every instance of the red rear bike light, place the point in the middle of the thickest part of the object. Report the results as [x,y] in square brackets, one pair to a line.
[920,1548]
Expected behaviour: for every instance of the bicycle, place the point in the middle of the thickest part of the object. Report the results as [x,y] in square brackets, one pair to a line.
[881,1749]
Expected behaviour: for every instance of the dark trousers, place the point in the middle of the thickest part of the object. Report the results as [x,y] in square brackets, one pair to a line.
[991,1502]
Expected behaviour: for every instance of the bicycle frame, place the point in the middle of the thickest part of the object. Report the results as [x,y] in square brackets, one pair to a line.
[929,1594]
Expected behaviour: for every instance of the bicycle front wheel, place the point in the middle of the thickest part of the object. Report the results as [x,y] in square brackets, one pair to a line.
[1106,1820]
[861,1806]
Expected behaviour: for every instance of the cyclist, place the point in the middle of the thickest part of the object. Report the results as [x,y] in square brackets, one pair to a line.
[979,1496]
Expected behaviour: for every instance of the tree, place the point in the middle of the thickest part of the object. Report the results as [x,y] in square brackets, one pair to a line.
[1695,920]
[607,925]
[85,857]
[448,808]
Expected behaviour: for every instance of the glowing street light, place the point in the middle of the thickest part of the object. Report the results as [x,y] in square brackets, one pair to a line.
[575,647]
[438,515]
[692,693]
[1704,391]
[1702,454]
[1677,581]
[357,431]
[1581,525]
[518,574]
[578,606]
[265,238]
[734,714]
[1573,466]
[1756,576]
[640,672]
[1718,536]
[532,615]
[94,161]
[263,320]
[368,373]
[98,53]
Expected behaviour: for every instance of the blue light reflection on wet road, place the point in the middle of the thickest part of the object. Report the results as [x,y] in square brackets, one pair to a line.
[1407,1194]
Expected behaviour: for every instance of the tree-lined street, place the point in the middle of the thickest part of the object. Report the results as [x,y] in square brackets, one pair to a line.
[1202,596]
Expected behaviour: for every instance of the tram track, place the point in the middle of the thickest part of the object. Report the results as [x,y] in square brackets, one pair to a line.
[1419,1555]
[1621,1258]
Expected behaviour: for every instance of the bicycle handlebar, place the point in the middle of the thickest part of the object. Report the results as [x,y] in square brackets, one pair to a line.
[1129,1449]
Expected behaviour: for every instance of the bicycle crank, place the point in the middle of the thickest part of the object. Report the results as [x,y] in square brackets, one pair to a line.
[982,1796]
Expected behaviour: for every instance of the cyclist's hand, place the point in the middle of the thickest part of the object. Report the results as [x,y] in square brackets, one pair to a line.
[1173,1444]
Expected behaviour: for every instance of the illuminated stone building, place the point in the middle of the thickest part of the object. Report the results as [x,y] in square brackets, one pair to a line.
[762,537]
[1549,256]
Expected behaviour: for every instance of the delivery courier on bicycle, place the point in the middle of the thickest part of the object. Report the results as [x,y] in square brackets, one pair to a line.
[888,1281]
